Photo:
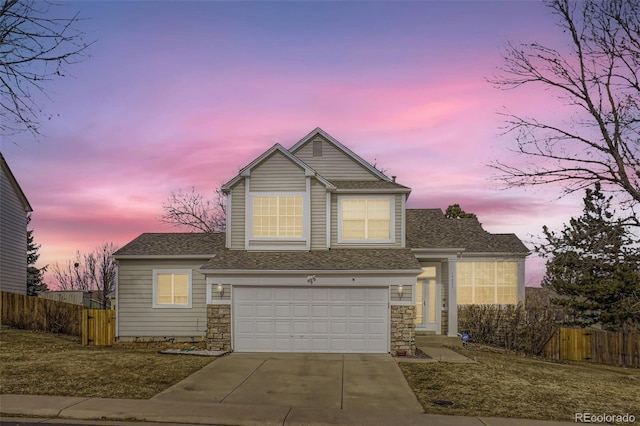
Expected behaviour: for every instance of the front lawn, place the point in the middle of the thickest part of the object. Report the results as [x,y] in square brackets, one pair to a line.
[38,363]
[508,385]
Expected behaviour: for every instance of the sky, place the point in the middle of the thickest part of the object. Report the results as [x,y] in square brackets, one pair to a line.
[178,95]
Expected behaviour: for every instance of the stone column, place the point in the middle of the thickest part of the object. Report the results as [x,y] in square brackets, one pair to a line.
[403,337]
[219,327]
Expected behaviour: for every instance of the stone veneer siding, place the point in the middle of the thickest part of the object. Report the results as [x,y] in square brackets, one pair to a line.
[444,321]
[403,336]
[219,327]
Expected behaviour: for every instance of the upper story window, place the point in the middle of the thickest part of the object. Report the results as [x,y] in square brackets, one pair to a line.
[486,282]
[171,288]
[365,219]
[278,216]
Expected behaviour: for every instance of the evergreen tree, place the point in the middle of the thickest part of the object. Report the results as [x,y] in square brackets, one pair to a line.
[35,275]
[454,211]
[594,265]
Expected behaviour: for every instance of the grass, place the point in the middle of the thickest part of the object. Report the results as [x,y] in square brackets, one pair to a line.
[38,363]
[508,385]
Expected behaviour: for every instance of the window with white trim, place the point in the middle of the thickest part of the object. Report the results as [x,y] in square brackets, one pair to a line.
[278,216]
[366,219]
[172,288]
[486,282]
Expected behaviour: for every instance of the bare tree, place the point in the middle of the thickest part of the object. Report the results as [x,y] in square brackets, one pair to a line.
[35,46]
[92,271]
[597,78]
[191,210]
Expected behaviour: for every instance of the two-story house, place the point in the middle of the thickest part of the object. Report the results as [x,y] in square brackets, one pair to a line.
[14,209]
[320,255]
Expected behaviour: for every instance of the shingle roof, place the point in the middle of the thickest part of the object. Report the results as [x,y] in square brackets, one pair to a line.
[335,259]
[178,244]
[429,228]
[367,184]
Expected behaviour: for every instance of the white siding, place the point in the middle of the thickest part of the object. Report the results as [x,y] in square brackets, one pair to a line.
[277,173]
[318,216]
[137,317]
[13,239]
[237,216]
[333,164]
[398,225]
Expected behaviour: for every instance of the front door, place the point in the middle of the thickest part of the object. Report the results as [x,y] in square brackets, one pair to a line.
[428,299]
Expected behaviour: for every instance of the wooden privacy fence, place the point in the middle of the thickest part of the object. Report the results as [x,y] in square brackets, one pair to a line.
[604,347]
[35,313]
[98,327]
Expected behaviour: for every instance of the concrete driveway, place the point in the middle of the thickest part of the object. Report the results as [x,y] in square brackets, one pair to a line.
[339,381]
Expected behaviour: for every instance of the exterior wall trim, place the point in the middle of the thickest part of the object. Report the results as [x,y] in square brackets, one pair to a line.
[163,256]
[228,224]
[260,272]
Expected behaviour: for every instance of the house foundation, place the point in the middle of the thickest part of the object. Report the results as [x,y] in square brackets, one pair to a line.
[403,337]
[219,327]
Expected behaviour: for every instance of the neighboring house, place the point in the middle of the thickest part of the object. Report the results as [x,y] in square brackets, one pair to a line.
[91,299]
[320,255]
[14,208]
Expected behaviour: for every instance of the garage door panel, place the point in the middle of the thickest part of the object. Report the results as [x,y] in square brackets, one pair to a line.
[358,294]
[300,311]
[282,327]
[310,319]
[262,293]
[300,327]
[338,327]
[338,311]
[264,327]
[357,311]
[338,295]
[320,294]
[320,327]
[319,311]
[357,328]
[376,311]
[320,344]
[282,310]
[264,309]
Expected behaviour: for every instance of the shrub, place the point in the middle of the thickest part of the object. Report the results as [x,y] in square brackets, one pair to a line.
[511,327]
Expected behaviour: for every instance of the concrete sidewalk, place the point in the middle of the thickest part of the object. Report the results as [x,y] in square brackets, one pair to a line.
[434,347]
[52,409]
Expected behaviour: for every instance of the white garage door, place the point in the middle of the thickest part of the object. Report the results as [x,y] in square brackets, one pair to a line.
[310,319]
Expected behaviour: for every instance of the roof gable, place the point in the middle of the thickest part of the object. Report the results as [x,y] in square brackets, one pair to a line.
[277,148]
[14,184]
[340,147]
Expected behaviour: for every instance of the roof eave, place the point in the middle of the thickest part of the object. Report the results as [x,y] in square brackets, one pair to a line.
[374,190]
[311,271]
[162,256]
[15,185]
[246,171]
[427,250]
[496,254]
